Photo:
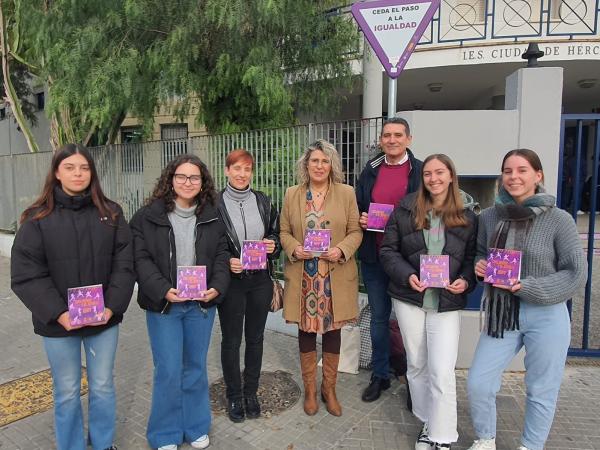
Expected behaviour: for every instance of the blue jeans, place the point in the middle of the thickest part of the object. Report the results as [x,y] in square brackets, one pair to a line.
[64,356]
[545,331]
[180,408]
[376,281]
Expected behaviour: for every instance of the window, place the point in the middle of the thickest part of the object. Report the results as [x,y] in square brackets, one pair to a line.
[2,113]
[131,134]
[40,101]
[174,141]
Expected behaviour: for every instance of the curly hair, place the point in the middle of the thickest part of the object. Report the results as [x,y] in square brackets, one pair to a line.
[164,186]
[335,176]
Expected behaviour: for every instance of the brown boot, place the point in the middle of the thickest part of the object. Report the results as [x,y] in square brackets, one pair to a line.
[330,366]
[308,363]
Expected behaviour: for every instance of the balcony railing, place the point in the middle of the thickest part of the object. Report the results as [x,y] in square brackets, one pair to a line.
[460,21]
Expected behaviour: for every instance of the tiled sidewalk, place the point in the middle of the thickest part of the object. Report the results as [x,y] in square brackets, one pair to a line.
[385,424]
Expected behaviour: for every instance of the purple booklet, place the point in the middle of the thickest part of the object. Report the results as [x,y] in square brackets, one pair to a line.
[191,281]
[254,255]
[434,271]
[317,241]
[379,214]
[503,267]
[86,305]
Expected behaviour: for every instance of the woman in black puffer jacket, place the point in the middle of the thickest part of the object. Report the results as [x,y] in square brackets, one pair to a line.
[74,237]
[179,227]
[433,222]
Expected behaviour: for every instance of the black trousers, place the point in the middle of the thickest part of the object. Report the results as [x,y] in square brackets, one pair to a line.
[244,310]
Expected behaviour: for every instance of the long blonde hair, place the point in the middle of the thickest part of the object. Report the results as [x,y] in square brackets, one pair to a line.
[452,211]
[336,175]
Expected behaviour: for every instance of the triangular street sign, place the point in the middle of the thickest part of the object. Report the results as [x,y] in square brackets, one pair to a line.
[393,28]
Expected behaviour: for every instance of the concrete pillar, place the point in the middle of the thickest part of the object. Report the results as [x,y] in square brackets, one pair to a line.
[372,83]
[536,93]
[372,104]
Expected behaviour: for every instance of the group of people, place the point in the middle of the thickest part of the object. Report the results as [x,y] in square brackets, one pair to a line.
[73,236]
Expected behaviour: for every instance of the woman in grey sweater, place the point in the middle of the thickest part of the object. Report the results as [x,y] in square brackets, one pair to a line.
[533,311]
[248,215]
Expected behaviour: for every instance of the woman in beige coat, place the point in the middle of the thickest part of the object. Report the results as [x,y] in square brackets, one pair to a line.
[321,292]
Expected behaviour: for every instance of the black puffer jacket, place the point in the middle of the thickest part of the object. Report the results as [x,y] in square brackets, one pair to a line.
[155,255]
[270,218]
[403,244]
[73,246]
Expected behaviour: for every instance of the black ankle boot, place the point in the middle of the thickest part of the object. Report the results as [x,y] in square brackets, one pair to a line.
[373,390]
[235,411]
[252,406]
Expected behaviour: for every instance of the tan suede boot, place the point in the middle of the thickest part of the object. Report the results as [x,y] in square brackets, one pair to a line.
[308,363]
[330,366]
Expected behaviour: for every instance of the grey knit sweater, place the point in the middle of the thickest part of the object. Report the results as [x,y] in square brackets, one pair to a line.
[183,221]
[242,208]
[553,266]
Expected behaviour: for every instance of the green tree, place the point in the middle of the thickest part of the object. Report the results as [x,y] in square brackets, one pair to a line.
[14,87]
[250,63]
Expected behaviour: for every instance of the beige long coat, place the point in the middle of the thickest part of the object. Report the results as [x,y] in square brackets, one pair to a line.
[341,210]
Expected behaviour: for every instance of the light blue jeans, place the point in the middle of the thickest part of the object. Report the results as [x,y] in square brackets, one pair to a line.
[180,402]
[545,331]
[64,356]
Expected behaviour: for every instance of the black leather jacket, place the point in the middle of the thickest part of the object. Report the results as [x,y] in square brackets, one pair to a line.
[270,217]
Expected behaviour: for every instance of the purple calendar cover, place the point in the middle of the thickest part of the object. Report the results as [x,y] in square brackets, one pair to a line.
[191,281]
[86,305]
[379,214]
[503,267]
[317,241]
[434,271]
[254,255]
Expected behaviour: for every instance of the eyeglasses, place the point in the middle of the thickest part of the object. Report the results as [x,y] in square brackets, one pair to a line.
[182,179]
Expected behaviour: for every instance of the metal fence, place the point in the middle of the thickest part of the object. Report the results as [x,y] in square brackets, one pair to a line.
[128,172]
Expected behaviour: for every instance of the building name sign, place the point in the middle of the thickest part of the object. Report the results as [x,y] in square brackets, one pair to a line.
[588,49]
[553,51]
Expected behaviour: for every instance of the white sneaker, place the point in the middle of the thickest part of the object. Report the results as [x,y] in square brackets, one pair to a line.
[484,444]
[168,447]
[423,441]
[522,447]
[201,442]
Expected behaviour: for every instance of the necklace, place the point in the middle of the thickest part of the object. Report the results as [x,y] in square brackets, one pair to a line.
[319,193]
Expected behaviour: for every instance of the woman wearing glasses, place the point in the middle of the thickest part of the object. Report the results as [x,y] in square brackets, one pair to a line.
[248,215]
[321,292]
[179,226]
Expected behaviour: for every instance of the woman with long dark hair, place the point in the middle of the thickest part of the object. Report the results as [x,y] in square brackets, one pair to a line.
[432,221]
[248,215]
[179,226]
[531,313]
[72,236]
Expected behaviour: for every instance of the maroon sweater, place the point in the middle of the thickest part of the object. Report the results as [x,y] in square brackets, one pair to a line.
[390,187]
